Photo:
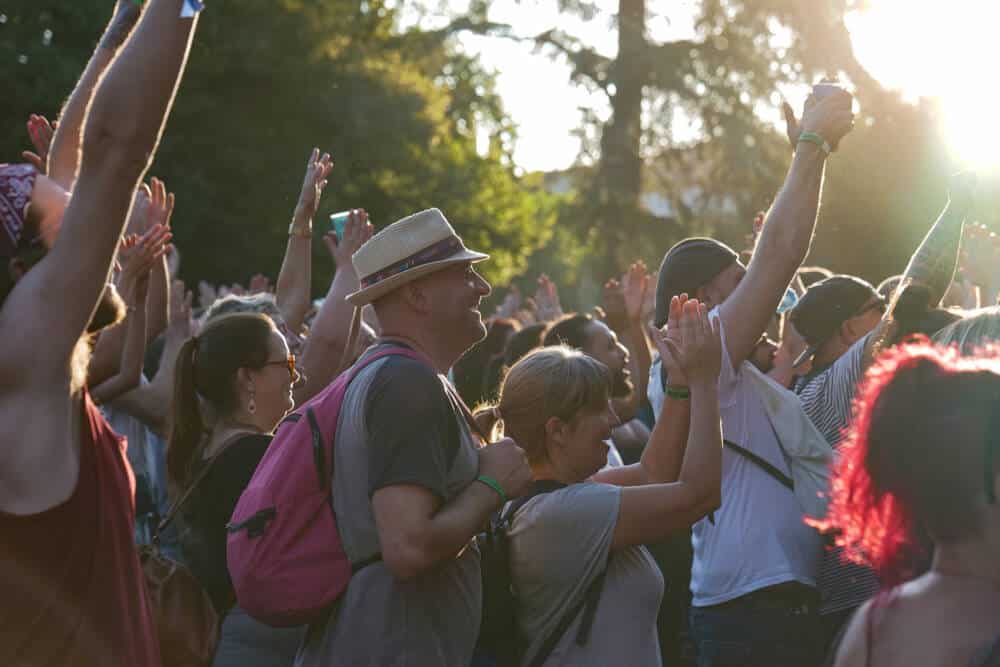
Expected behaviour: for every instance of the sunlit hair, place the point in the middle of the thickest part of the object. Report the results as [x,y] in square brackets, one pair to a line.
[550,382]
[255,303]
[571,330]
[917,459]
[973,332]
[205,376]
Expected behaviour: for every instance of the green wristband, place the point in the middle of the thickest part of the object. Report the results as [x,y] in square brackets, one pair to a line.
[813,138]
[495,485]
[679,393]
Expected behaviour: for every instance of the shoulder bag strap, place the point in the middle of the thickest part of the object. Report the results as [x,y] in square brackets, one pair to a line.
[766,466]
[175,508]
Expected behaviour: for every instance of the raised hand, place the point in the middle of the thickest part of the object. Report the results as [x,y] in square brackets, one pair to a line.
[207,294]
[831,117]
[138,255]
[180,326]
[357,231]
[317,170]
[511,303]
[613,304]
[671,331]
[161,204]
[699,353]
[962,189]
[259,284]
[547,305]
[635,282]
[40,130]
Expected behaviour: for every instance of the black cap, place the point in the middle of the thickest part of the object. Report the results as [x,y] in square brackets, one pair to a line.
[825,306]
[690,264]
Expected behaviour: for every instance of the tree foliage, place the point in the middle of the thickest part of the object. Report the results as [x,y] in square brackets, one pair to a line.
[400,111]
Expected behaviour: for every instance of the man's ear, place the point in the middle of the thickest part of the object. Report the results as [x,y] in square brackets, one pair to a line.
[415,296]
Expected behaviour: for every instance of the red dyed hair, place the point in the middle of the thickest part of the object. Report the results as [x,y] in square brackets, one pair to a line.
[912,463]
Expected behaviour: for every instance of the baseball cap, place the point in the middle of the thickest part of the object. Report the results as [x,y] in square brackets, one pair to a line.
[690,264]
[825,306]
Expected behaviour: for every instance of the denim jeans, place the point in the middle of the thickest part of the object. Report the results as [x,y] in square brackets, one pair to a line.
[756,636]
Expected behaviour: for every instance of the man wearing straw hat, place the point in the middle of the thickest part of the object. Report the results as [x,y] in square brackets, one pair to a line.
[411,484]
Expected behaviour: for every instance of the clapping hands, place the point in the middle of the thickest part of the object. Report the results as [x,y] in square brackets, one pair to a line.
[137,256]
[690,344]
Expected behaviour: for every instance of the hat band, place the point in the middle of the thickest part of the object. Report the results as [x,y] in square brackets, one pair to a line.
[443,249]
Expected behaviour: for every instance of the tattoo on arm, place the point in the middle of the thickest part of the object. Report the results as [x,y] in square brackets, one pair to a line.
[934,262]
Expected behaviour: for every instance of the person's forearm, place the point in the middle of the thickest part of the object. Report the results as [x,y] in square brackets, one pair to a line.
[294,282]
[640,357]
[129,373]
[158,302]
[662,457]
[64,153]
[788,230]
[147,404]
[702,467]
[449,531]
[133,101]
[328,335]
[934,262]
[105,360]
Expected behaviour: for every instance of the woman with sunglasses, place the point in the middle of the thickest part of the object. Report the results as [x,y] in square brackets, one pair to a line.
[233,385]
[918,479]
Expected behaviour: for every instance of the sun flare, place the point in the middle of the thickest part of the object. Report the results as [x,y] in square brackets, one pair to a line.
[938,49]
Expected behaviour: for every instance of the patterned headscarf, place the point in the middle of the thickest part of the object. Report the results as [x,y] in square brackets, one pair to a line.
[16,183]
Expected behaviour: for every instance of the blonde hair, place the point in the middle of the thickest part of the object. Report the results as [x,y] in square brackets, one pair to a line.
[554,381]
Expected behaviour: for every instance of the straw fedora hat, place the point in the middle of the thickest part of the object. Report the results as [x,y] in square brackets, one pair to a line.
[406,250]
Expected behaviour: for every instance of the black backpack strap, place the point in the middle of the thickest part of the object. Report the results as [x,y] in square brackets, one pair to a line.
[764,465]
[589,607]
[590,598]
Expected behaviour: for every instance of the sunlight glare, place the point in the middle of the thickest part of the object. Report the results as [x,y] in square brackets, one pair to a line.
[938,49]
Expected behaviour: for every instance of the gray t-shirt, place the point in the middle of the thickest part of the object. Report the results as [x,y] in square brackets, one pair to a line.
[559,543]
[398,426]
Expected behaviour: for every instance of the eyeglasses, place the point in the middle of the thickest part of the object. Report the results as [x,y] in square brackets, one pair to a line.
[288,362]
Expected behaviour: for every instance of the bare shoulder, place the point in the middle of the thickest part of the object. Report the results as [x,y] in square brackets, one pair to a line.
[853,649]
[39,447]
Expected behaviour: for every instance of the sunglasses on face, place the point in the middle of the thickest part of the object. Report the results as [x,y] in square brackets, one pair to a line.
[288,362]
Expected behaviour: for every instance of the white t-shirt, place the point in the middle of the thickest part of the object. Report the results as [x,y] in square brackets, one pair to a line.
[759,538]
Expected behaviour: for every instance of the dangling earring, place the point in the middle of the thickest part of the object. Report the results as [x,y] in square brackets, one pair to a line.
[252,405]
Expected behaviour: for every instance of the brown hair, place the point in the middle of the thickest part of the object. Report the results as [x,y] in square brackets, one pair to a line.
[553,381]
[206,371]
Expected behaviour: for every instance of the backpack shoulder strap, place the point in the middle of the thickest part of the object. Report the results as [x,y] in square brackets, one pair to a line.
[591,596]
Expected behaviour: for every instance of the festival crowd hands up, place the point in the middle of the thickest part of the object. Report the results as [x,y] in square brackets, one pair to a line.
[314,344]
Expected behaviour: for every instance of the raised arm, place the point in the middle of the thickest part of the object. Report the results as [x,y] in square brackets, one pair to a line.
[64,154]
[55,300]
[787,233]
[295,280]
[328,337]
[161,208]
[652,512]
[661,458]
[134,285]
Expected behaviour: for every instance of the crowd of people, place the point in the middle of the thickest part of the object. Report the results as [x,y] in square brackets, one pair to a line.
[737,460]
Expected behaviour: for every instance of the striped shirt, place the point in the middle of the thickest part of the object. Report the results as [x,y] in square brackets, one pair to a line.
[827,399]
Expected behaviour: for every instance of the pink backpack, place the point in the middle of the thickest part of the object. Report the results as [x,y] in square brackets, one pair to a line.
[283,549]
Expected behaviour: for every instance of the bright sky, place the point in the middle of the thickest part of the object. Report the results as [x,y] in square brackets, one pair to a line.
[923,48]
